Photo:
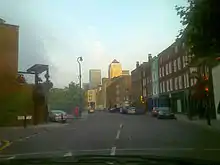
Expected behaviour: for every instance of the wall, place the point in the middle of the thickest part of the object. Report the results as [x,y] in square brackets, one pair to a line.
[8,50]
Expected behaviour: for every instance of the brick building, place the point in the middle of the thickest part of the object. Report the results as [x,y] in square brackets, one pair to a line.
[118,91]
[174,78]
[137,84]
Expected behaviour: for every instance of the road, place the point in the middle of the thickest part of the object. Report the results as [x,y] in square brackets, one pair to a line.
[115,134]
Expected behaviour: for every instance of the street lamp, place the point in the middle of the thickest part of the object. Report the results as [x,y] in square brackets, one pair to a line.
[79,60]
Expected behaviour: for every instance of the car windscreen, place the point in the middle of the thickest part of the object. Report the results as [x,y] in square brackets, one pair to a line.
[58,112]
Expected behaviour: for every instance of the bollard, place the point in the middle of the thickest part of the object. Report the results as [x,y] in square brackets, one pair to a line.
[25,121]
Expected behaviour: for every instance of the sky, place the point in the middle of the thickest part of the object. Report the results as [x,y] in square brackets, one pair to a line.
[56,32]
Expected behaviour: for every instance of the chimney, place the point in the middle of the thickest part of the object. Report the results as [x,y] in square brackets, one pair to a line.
[149,57]
[137,64]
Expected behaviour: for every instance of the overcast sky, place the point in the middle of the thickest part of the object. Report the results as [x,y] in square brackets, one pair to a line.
[56,32]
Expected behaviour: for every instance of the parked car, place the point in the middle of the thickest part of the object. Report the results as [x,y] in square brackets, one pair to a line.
[91,110]
[114,110]
[165,113]
[57,116]
[124,110]
[155,111]
[131,110]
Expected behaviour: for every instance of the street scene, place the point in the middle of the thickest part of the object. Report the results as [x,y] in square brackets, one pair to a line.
[110,81]
[128,134]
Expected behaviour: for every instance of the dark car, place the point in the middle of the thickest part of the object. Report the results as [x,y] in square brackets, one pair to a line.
[114,110]
[155,111]
[165,113]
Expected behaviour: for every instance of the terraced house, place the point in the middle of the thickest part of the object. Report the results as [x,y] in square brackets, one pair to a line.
[174,78]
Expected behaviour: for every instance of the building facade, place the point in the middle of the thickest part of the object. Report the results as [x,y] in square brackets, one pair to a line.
[94,78]
[174,76]
[8,49]
[115,69]
[118,91]
[125,72]
[148,76]
[155,81]
[138,85]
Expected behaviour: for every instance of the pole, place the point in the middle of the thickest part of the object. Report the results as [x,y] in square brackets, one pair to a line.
[79,60]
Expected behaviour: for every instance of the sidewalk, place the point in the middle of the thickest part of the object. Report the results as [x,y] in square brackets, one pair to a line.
[215,124]
[14,133]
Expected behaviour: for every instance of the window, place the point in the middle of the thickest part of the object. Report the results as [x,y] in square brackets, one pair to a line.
[191,81]
[180,82]
[183,45]
[176,49]
[195,81]
[162,71]
[184,62]
[176,83]
[145,92]
[179,63]
[187,80]
[184,80]
[164,87]
[171,84]
[186,59]
[144,82]
[167,71]
[161,88]
[170,67]
[174,65]
[168,86]
[143,73]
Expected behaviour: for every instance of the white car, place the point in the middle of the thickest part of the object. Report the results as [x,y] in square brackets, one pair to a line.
[57,116]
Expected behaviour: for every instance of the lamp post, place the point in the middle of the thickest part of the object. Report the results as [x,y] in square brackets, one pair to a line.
[79,60]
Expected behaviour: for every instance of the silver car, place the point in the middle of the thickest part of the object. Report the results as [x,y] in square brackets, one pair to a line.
[57,116]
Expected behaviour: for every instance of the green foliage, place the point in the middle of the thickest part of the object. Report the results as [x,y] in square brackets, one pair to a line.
[66,98]
[200,20]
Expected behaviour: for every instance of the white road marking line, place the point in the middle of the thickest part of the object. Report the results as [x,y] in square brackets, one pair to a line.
[12,157]
[121,125]
[68,154]
[118,134]
[113,151]
[157,149]
[54,152]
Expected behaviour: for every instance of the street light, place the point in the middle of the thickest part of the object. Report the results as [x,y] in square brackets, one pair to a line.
[79,60]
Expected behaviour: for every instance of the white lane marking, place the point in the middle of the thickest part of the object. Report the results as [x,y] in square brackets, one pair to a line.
[118,134]
[68,154]
[121,125]
[113,151]
[12,157]
[157,149]
[53,152]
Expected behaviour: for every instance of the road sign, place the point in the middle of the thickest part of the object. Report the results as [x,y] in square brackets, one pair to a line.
[23,117]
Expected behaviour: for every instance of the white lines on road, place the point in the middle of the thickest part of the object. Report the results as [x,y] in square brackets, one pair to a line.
[68,154]
[113,149]
[118,134]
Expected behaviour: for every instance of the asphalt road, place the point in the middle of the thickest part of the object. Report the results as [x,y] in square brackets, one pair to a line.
[115,134]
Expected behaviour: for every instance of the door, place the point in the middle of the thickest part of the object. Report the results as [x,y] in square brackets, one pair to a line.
[179,107]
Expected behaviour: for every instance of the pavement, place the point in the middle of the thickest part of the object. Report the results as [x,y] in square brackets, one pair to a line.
[117,134]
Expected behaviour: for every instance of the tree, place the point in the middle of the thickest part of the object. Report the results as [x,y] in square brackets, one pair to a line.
[65,98]
[200,20]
